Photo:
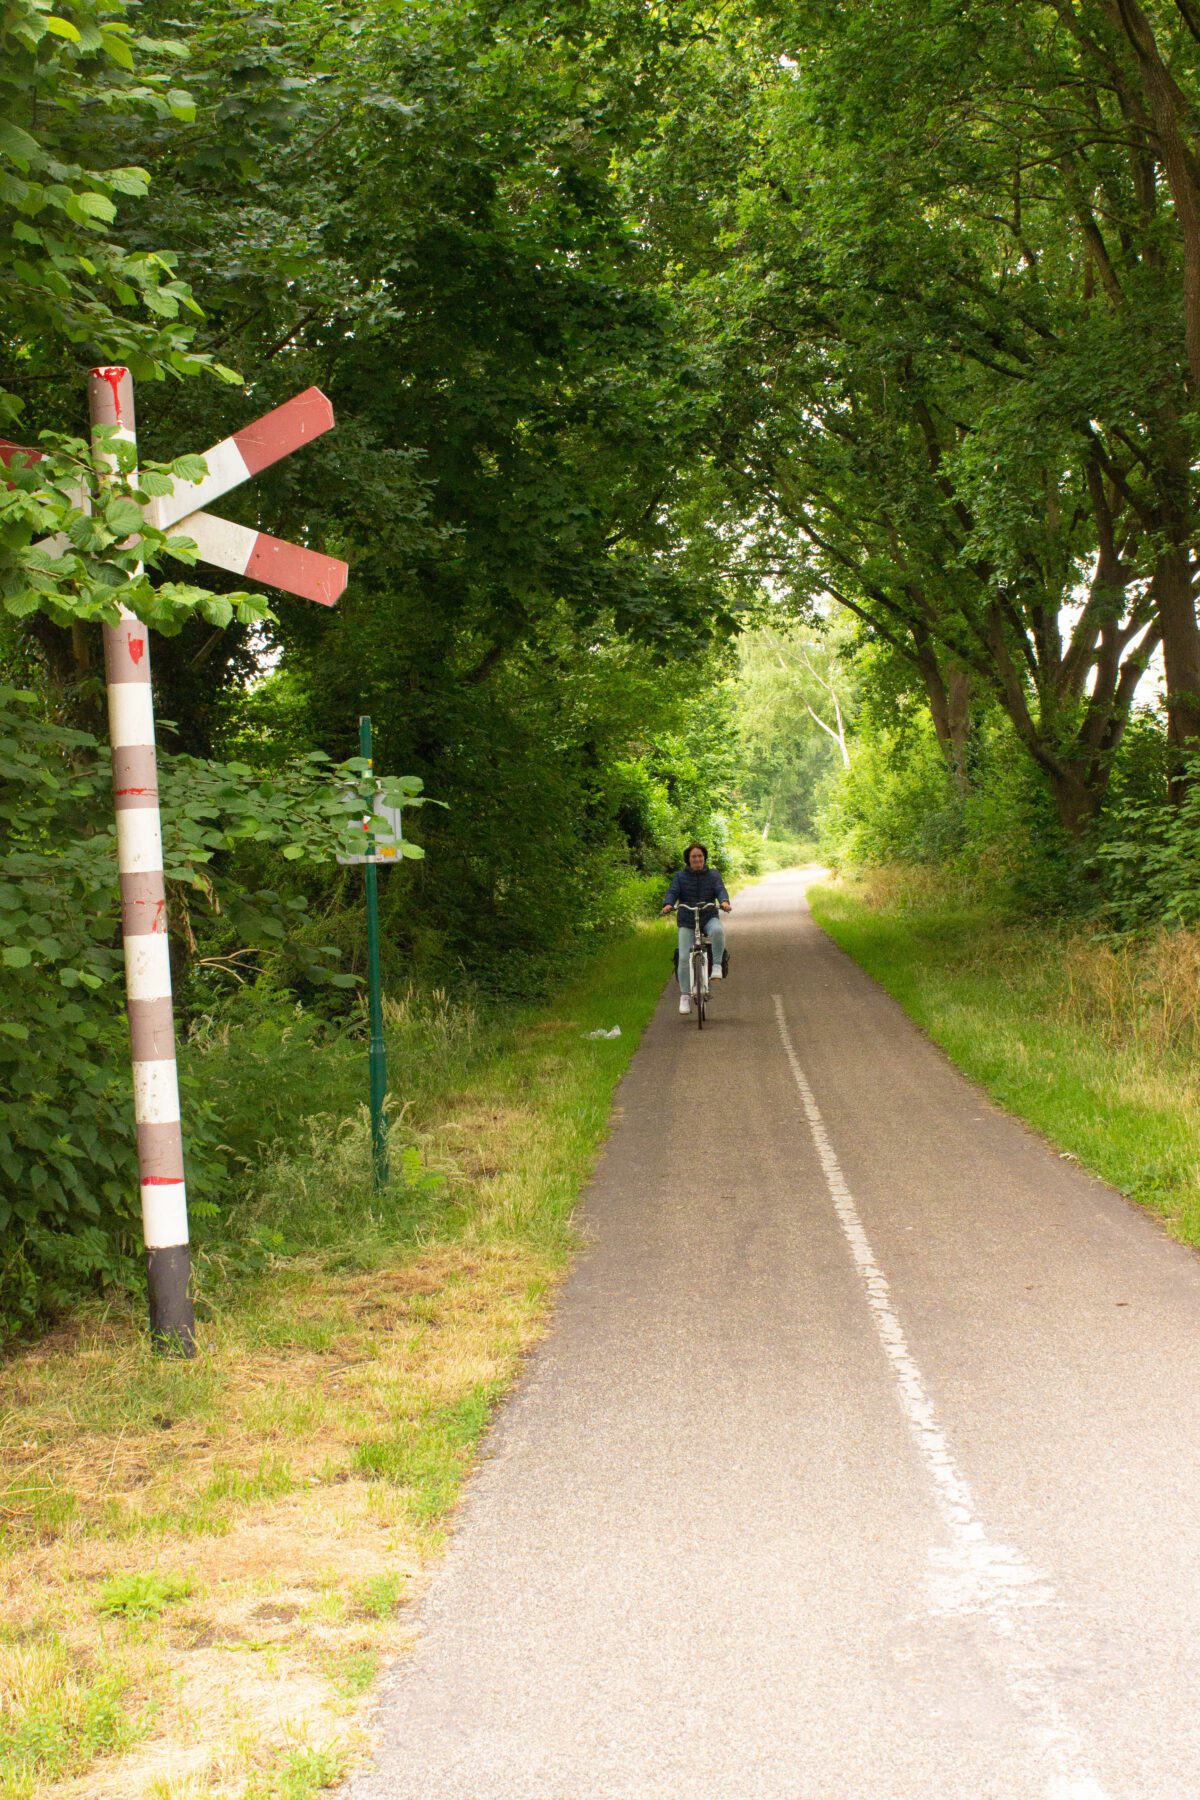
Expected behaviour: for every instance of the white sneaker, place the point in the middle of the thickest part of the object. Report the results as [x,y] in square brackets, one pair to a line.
[685,1003]
[716,973]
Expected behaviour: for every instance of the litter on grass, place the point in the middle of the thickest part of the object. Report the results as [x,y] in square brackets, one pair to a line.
[614,1032]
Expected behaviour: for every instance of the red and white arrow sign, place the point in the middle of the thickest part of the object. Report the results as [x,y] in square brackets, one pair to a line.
[262,557]
[248,452]
[238,548]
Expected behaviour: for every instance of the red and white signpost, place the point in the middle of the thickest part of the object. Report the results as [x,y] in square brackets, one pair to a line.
[135,797]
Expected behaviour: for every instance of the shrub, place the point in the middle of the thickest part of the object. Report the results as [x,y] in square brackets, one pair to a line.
[1147,856]
[68,1167]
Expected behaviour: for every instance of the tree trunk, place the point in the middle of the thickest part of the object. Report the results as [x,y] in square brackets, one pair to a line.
[67,657]
[1076,801]
[1181,656]
[958,707]
[949,697]
[1168,108]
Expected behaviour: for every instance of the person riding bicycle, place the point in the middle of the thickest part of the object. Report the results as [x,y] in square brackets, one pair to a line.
[698,885]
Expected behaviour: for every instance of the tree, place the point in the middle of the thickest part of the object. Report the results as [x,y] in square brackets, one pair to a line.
[1005,215]
[795,701]
[937,407]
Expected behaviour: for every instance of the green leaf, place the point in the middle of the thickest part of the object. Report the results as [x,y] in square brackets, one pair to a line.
[14,191]
[94,206]
[128,181]
[189,468]
[16,956]
[63,28]
[117,49]
[17,144]
[123,516]
[21,604]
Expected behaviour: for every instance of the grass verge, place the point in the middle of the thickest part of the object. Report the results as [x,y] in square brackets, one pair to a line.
[1091,1040]
[203,1564]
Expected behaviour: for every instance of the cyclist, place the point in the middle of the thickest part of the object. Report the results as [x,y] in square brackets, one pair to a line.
[698,885]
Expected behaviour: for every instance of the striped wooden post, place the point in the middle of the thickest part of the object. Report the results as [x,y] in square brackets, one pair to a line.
[144,929]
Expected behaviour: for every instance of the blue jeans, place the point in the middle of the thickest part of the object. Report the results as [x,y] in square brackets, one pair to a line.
[715,931]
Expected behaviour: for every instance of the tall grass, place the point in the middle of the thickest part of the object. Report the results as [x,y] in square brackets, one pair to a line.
[1140,993]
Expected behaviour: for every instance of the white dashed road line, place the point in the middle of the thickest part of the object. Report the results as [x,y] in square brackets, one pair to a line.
[975,1575]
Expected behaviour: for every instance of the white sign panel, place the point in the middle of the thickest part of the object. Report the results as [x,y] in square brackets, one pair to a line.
[388,834]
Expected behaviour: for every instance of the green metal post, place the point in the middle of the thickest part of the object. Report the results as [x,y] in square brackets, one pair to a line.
[378,1050]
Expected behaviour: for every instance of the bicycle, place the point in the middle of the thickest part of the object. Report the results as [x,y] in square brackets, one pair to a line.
[699,961]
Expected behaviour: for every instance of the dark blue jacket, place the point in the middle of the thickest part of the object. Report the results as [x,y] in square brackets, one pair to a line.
[696,887]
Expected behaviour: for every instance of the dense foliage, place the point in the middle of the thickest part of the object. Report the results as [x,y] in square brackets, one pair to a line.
[66,1151]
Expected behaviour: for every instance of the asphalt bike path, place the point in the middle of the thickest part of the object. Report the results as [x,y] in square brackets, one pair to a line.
[862,1461]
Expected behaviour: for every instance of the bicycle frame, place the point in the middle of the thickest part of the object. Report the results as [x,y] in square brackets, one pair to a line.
[698,985]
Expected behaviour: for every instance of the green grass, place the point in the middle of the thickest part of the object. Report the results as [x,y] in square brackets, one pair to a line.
[313,1191]
[66,1714]
[1088,1044]
[352,1347]
[300,1774]
[379,1597]
[141,1596]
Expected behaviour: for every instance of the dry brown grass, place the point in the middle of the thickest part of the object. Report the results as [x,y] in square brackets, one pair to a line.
[433,1325]
[906,887]
[241,1477]
[1142,992]
[1139,992]
[252,1662]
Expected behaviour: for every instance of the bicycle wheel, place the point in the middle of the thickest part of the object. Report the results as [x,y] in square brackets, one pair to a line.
[699,991]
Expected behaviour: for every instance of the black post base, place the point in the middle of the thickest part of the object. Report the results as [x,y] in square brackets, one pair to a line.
[172,1319]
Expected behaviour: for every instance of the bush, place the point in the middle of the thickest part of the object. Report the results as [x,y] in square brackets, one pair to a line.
[894,803]
[1146,856]
[998,839]
[69,1213]
[66,1142]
